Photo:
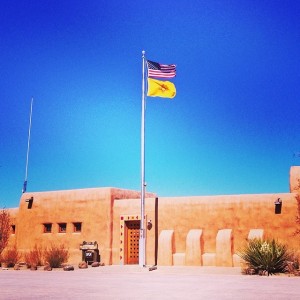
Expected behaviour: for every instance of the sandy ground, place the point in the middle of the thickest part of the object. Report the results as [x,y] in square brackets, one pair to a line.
[134,282]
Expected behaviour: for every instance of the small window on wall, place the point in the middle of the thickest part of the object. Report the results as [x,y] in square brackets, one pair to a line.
[13,229]
[77,227]
[62,227]
[47,227]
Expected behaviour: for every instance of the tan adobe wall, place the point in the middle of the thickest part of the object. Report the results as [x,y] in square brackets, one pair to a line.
[206,219]
[13,214]
[182,227]
[91,207]
[240,213]
[295,179]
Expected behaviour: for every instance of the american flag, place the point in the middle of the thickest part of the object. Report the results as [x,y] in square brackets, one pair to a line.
[160,71]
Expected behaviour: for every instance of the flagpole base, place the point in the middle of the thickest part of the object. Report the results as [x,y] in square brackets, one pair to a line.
[142,259]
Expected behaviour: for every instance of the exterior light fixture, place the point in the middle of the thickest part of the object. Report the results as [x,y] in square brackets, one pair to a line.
[149,225]
[278,205]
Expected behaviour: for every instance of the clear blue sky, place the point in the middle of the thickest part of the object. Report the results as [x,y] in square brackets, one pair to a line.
[231,129]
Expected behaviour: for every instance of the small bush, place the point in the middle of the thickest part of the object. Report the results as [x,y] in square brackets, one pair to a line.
[10,256]
[4,228]
[294,260]
[265,255]
[56,255]
[34,257]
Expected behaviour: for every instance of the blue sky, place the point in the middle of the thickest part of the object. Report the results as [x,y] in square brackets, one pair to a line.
[232,128]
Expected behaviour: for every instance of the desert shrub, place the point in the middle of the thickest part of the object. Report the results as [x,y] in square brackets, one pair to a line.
[4,228]
[294,259]
[10,256]
[34,257]
[265,255]
[56,255]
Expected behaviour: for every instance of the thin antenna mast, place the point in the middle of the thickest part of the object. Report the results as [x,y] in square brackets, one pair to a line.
[28,148]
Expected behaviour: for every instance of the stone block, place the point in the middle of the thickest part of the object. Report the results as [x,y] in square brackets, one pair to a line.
[83,265]
[224,248]
[194,248]
[68,268]
[179,259]
[95,264]
[237,261]
[209,259]
[47,268]
[166,248]
[256,234]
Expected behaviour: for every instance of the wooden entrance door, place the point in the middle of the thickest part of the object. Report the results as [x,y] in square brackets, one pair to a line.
[132,241]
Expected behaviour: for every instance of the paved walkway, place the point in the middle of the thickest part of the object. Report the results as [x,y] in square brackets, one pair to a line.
[134,282]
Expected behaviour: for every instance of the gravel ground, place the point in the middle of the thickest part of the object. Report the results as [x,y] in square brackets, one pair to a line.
[134,282]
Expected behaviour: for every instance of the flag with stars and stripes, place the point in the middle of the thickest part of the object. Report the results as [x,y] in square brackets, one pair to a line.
[157,70]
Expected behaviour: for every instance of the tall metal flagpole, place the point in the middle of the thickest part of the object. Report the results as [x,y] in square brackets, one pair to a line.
[142,241]
[28,147]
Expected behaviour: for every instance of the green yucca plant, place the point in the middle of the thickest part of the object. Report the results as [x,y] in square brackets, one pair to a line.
[265,255]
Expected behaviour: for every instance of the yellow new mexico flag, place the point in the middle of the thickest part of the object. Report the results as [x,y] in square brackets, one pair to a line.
[158,88]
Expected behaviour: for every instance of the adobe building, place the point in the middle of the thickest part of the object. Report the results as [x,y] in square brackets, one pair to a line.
[193,231]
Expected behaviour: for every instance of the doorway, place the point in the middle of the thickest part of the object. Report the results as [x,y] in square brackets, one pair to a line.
[132,236]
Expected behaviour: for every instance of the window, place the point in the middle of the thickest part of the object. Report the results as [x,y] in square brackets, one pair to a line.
[77,227]
[13,229]
[62,227]
[47,227]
